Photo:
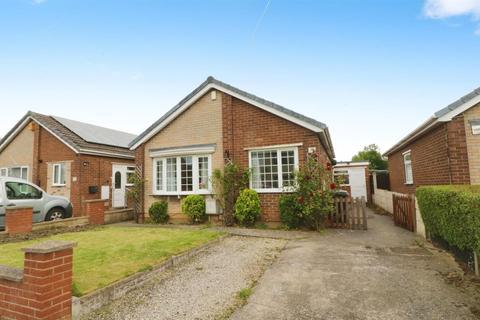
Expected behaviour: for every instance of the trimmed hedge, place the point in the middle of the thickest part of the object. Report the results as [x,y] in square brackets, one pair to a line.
[247,207]
[159,212]
[452,213]
[194,207]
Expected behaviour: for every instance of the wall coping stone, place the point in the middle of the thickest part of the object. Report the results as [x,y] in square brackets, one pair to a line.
[50,246]
[12,274]
[18,208]
[95,200]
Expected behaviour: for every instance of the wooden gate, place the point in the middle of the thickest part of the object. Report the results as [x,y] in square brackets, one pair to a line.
[404,211]
[350,213]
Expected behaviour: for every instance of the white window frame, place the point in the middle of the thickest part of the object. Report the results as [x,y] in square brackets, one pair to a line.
[130,169]
[195,176]
[56,183]
[279,151]
[7,169]
[409,163]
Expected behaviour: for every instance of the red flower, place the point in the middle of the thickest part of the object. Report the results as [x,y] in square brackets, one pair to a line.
[300,200]
[329,166]
[333,186]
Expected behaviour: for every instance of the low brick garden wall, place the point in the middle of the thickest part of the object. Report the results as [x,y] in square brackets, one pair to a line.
[43,289]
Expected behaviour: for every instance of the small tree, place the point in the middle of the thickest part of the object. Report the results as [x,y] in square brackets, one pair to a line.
[227,186]
[372,154]
[314,184]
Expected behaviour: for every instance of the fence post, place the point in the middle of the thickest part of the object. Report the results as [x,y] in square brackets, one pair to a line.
[364,213]
[475,259]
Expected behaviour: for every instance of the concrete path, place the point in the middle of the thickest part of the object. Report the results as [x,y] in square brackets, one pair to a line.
[378,274]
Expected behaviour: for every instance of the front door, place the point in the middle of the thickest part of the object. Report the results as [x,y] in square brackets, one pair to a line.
[119,177]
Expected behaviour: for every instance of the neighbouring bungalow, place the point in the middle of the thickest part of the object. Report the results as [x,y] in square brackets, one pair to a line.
[217,123]
[443,150]
[69,158]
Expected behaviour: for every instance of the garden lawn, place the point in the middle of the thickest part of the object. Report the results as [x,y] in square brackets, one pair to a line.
[107,254]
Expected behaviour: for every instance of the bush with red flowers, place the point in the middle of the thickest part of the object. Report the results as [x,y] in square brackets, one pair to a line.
[313,194]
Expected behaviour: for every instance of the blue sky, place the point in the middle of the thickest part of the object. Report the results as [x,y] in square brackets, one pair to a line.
[372,70]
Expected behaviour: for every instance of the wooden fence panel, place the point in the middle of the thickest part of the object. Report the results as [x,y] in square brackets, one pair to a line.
[348,214]
[404,215]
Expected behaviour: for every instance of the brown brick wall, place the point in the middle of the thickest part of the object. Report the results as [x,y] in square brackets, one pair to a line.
[473,144]
[18,220]
[438,157]
[247,126]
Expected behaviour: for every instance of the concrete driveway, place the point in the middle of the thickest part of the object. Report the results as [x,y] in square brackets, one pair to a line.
[378,274]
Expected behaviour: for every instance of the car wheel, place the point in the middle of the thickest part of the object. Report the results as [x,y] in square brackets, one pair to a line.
[55,214]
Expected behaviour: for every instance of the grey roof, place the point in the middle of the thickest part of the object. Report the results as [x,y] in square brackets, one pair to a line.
[433,121]
[466,98]
[236,90]
[70,137]
[96,134]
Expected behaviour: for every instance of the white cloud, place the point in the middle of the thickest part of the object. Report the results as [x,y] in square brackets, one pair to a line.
[439,9]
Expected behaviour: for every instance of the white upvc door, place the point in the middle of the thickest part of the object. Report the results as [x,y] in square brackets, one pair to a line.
[358,183]
[119,180]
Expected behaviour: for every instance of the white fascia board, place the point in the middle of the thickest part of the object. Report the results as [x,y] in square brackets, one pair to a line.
[277,146]
[182,151]
[352,164]
[233,94]
[105,154]
[464,107]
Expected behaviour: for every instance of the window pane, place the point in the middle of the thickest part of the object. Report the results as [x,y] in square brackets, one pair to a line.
[186,173]
[24,173]
[264,169]
[118,180]
[171,174]
[288,168]
[21,191]
[159,175]
[203,173]
[15,172]
[3,172]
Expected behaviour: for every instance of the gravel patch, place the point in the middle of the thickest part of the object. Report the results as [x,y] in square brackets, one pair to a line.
[205,287]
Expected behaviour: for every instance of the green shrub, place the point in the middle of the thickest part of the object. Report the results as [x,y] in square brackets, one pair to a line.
[194,207]
[452,213]
[247,207]
[158,212]
[290,211]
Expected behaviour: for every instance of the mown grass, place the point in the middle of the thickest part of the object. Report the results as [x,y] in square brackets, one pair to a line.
[108,254]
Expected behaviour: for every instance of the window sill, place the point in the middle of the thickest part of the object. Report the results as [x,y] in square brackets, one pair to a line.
[58,185]
[408,183]
[171,194]
[273,191]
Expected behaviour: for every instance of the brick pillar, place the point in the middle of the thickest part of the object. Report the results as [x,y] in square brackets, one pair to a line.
[227,127]
[95,210]
[18,220]
[44,289]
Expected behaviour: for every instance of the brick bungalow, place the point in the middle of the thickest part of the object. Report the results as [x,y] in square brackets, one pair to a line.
[443,150]
[217,123]
[68,158]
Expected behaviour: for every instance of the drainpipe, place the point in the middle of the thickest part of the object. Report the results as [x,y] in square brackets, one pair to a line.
[448,154]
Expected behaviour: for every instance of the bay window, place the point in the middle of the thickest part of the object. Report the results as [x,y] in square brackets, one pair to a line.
[273,170]
[182,175]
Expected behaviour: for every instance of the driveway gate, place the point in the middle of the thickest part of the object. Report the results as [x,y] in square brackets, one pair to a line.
[404,211]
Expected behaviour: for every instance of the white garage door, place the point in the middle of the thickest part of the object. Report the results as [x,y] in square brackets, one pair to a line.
[358,184]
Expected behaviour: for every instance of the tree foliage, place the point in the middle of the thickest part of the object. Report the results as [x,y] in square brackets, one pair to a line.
[372,154]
